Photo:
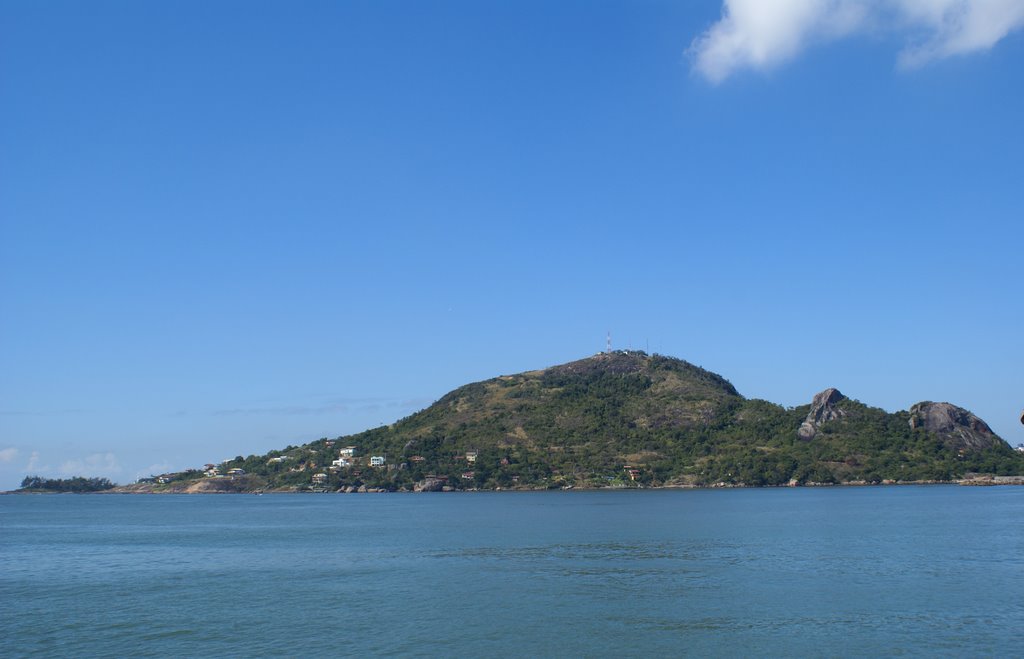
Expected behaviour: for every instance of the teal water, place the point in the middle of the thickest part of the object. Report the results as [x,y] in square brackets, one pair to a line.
[810,572]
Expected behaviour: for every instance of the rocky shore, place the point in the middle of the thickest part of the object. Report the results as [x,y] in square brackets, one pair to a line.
[437,485]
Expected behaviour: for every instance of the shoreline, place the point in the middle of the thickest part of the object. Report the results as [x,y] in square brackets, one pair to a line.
[137,489]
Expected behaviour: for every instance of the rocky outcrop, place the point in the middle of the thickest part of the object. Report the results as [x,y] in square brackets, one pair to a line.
[823,409]
[989,479]
[236,485]
[429,485]
[957,427]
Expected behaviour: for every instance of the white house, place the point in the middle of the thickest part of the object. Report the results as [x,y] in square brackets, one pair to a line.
[347,452]
[376,460]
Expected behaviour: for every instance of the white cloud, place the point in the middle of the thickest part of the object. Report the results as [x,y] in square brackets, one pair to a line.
[957,27]
[97,464]
[8,454]
[154,469]
[33,461]
[761,34]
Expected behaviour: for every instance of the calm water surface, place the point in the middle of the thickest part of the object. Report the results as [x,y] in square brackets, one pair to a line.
[811,572]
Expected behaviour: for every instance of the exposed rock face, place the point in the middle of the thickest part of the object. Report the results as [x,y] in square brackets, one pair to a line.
[956,426]
[429,485]
[229,485]
[823,409]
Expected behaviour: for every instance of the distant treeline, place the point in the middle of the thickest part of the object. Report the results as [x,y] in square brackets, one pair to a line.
[76,484]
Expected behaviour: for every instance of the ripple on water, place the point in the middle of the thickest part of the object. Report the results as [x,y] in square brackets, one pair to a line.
[918,571]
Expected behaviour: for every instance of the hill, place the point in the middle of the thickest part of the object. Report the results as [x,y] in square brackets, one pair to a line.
[629,419]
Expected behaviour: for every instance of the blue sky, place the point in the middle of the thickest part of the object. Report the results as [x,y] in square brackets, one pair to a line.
[227,227]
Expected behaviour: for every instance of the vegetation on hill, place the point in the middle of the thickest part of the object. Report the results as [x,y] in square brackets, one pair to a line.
[625,419]
[76,484]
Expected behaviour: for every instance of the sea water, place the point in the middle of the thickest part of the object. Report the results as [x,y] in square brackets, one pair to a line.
[811,572]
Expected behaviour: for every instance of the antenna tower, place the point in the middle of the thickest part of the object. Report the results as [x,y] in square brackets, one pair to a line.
[608,344]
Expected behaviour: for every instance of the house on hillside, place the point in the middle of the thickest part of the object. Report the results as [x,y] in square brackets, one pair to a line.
[471,456]
[319,479]
[376,460]
[237,471]
[347,452]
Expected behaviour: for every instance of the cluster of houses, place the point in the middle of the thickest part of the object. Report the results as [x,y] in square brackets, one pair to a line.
[347,459]
[211,470]
[162,478]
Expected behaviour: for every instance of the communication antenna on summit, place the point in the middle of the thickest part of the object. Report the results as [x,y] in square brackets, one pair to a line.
[608,344]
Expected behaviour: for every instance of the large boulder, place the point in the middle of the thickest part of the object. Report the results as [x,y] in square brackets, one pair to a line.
[957,427]
[823,409]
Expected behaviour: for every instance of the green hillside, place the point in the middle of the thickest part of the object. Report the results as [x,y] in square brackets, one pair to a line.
[628,419]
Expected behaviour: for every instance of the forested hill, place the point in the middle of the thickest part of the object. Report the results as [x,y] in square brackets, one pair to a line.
[631,419]
[78,484]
